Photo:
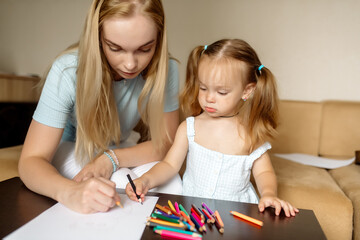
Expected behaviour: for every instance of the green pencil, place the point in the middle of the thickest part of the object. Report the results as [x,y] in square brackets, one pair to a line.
[183,209]
[156,215]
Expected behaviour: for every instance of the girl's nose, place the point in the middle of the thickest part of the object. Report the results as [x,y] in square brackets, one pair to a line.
[130,62]
[210,97]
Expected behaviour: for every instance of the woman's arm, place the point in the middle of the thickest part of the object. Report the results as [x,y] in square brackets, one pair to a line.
[40,176]
[133,156]
[265,179]
[164,170]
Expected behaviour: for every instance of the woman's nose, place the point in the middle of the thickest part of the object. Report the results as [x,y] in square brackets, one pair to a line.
[130,62]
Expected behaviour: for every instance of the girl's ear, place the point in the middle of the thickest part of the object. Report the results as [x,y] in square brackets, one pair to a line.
[248,90]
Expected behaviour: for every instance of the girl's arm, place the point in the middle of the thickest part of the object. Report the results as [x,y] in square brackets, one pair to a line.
[164,170]
[265,179]
[133,156]
[40,176]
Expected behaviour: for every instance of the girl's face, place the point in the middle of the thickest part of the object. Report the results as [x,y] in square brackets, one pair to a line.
[128,44]
[221,86]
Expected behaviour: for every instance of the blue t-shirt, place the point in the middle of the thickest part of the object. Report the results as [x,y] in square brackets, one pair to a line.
[56,107]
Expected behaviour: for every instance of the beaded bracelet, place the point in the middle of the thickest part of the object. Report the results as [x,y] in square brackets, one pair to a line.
[112,161]
[116,159]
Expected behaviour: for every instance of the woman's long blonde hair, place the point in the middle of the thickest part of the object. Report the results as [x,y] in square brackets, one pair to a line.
[259,113]
[98,123]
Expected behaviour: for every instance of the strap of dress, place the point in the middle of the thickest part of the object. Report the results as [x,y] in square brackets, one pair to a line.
[190,128]
[260,151]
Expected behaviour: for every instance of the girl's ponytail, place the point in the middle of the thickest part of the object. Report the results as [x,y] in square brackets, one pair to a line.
[189,96]
[263,109]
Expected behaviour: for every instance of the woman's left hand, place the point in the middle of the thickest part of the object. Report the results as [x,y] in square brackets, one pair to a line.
[99,167]
[278,204]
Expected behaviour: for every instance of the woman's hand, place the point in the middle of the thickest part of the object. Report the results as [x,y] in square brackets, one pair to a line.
[278,204]
[99,167]
[141,189]
[95,194]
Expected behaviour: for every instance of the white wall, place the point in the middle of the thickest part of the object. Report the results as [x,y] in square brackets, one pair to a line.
[311,46]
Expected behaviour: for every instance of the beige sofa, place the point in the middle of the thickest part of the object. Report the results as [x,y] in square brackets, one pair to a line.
[330,129]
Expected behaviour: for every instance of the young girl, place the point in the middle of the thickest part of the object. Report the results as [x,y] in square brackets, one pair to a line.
[234,100]
[94,95]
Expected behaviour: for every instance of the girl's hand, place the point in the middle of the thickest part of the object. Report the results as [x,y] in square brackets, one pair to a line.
[278,204]
[91,196]
[141,189]
[99,167]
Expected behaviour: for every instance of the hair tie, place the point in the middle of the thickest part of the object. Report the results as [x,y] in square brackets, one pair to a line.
[260,67]
[205,47]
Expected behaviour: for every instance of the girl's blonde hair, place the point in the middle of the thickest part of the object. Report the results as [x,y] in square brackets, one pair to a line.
[98,123]
[259,113]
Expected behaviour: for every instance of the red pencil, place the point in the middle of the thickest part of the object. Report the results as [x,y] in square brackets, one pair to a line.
[197,215]
[210,218]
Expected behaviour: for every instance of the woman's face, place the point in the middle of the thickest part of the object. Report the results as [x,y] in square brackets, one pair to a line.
[129,44]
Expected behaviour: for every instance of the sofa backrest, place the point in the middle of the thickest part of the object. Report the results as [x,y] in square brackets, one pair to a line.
[299,127]
[329,129]
[340,129]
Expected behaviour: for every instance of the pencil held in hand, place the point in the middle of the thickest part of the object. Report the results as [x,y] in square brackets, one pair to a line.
[134,188]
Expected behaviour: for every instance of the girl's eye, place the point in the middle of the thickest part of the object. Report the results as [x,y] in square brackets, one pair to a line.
[223,93]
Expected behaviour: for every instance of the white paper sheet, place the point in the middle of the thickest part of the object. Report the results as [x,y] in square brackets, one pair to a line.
[316,161]
[58,222]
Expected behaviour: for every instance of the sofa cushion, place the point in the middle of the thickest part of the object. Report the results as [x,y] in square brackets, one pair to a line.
[340,129]
[299,128]
[348,179]
[313,188]
[9,158]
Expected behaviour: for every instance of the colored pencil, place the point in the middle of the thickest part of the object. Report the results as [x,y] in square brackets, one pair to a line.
[218,226]
[189,227]
[118,203]
[187,218]
[172,212]
[183,209]
[247,218]
[207,208]
[166,222]
[168,215]
[192,211]
[134,188]
[158,206]
[165,233]
[178,230]
[198,212]
[162,217]
[153,224]
[177,207]
[197,219]
[211,219]
[197,225]
[171,206]
[217,215]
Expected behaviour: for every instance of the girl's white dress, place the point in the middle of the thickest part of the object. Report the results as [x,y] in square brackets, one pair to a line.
[211,174]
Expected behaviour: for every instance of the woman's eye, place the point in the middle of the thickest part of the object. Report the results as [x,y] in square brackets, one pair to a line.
[145,50]
[114,49]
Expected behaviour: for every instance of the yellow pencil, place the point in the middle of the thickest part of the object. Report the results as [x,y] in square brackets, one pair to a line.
[165,222]
[247,218]
[118,203]
[171,206]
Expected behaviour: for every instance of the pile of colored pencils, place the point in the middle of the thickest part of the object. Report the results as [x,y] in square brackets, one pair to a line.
[174,221]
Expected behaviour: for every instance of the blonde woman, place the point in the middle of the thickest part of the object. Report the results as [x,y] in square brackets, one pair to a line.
[94,95]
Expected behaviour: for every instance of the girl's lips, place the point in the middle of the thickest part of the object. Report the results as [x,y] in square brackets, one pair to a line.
[210,110]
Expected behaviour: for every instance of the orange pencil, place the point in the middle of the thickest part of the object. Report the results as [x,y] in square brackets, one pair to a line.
[247,218]
[158,206]
[217,215]
[187,218]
